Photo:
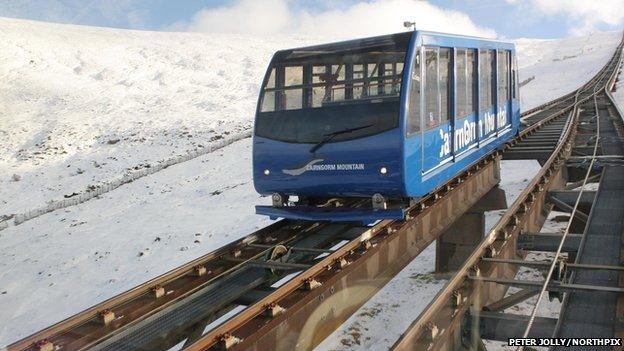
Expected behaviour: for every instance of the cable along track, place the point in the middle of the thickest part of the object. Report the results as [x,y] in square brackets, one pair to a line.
[244,295]
[468,308]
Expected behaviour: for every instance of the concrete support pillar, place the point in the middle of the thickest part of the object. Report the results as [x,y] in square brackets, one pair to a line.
[460,240]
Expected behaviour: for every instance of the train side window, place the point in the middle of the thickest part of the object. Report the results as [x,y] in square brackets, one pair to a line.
[396,78]
[445,84]
[432,92]
[372,87]
[271,82]
[492,57]
[461,105]
[293,97]
[318,91]
[502,75]
[413,118]
[338,90]
[508,73]
[359,73]
[471,79]
[268,99]
[293,75]
[484,80]
[514,77]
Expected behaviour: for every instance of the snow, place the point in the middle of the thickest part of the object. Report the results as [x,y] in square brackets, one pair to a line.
[618,94]
[561,65]
[70,92]
[83,105]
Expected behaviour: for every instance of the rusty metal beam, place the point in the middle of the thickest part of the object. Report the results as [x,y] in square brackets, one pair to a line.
[555,286]
[503,326]
[548,242]
[576,184]
[510,300]
[562,206]
[569,197]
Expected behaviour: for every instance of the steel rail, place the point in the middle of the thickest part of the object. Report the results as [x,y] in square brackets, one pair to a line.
[147,288]
[607,90]
[619,332]
[503,233]
[553,264]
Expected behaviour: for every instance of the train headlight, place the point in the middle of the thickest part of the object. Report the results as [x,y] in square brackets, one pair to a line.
[383,170]
[266,172]
[279,200]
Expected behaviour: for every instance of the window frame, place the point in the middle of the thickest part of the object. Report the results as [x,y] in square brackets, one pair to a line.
[516,86]
[450,66]
[485,91]
[502,78]
[458,88]
[418,66]
[474,80]
[373,85]
[425,117]
[493,62]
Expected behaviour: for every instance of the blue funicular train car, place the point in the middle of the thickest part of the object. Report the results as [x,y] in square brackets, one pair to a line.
[378,120]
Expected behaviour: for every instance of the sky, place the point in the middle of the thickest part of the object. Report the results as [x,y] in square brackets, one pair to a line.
[489,18]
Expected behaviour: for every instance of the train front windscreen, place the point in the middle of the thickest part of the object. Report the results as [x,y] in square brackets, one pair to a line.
[338,91]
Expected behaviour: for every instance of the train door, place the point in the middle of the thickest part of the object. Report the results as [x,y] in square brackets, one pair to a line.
[437,126]
[487,93]
[503,105]
[465,121]
[515,93]
[413,125]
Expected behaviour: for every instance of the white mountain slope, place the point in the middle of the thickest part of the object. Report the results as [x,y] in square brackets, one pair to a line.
[68,93]
[81,105]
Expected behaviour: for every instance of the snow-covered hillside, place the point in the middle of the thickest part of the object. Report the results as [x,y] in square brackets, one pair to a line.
[618,94]
[80,106]
[552,67]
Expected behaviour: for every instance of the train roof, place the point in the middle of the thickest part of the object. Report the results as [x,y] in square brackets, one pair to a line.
[461,36]
[446,39]
[391,39]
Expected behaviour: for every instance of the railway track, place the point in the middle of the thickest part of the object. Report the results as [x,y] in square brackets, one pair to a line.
[292,283]
[469,307]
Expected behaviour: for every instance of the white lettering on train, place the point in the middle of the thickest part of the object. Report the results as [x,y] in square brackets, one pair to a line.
[466,133]
[336,167]
[445,149]
[487,125]
[313,166]
[501,117]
